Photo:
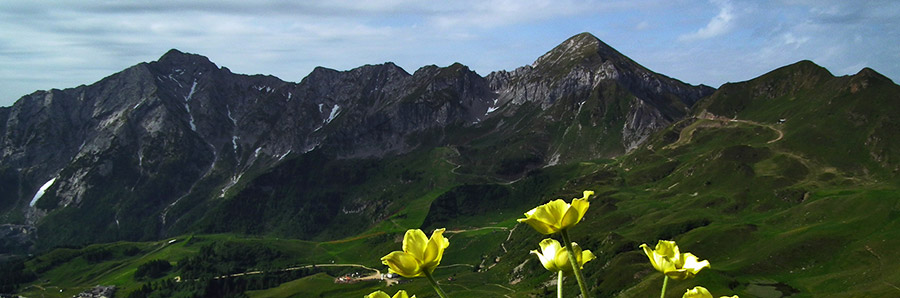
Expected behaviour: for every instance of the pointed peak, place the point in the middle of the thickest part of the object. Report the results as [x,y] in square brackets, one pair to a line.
[388,67]
[800,69]
[176,57]
[171,53]
[320,73]
[451,70]
[870,73]
[584,37]
[581,49]
[869,76]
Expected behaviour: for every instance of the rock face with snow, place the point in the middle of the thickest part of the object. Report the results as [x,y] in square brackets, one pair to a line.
[180,132]
[584,69]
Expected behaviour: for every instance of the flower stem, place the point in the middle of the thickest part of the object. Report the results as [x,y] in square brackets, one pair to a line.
[665,283]
[559,281]
[434,284]
[574,262]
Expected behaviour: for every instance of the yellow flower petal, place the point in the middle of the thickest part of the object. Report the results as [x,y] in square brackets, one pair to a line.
[575,213]
[414,242]
[587,193]
[551,213]
[693,265]
[403,263]
[668,248]
[581,257]
[419,253]
[557,215]
[561,261]
[660,262]
[434,250]
[555,257]
[378,294]
[697,292]
[586,256]
[539,226]
[402,294]
[668,259]
[544,260]
[550,248]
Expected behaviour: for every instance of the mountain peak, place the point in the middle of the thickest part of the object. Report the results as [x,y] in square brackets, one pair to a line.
[871,73]
[583,49]
[175,57]
[801,71]
[573,49]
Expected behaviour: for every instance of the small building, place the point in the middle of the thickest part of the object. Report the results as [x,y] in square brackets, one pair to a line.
[98,292]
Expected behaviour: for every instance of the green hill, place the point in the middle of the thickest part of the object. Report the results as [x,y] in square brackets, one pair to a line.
[786,183]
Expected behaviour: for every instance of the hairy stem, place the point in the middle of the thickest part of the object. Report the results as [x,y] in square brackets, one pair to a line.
[665,283]
[435,285]
[559,281]
[574,262]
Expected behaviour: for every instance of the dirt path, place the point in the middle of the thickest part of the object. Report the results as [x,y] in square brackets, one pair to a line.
[475,229]
[375,275]
[685,136]
[488,177]
[769,126]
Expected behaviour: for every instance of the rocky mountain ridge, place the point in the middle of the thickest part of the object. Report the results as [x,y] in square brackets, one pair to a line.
[131,146]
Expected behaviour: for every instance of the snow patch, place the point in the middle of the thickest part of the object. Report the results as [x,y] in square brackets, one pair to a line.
[187,107]
[234,136]
[256,152]
[335,110]
[284,155]
[267,88]
[234,180]
[233,121]
[289,96]
[176,81]
[320,108]
[40,192]
[580,105]
[191,93]
[492,108]
[554,160]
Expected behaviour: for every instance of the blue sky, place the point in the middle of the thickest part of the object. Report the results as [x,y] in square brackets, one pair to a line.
[62,44]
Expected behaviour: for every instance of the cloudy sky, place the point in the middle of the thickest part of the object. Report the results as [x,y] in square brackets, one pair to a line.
[62,44]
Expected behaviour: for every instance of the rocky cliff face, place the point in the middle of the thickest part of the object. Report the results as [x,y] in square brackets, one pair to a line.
[585,75]
[110,160]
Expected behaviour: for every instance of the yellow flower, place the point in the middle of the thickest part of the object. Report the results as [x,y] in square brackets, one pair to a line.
[554,257]
[419,255]
[670,261]
[701,292]
[697,292]
[380,294]
[557,214]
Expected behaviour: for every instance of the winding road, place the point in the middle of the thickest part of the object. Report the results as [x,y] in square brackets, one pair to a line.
[685,136]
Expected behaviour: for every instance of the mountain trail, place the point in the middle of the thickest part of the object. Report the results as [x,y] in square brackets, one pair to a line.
[687,134]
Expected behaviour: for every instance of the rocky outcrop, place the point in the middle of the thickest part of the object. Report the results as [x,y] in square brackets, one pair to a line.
[140,148]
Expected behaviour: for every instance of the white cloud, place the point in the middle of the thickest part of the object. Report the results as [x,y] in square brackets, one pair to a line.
[495,13]
[788,39]
[718,25]
[643,25]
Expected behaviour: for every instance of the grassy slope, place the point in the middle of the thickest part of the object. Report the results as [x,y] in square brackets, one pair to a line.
[774,209]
